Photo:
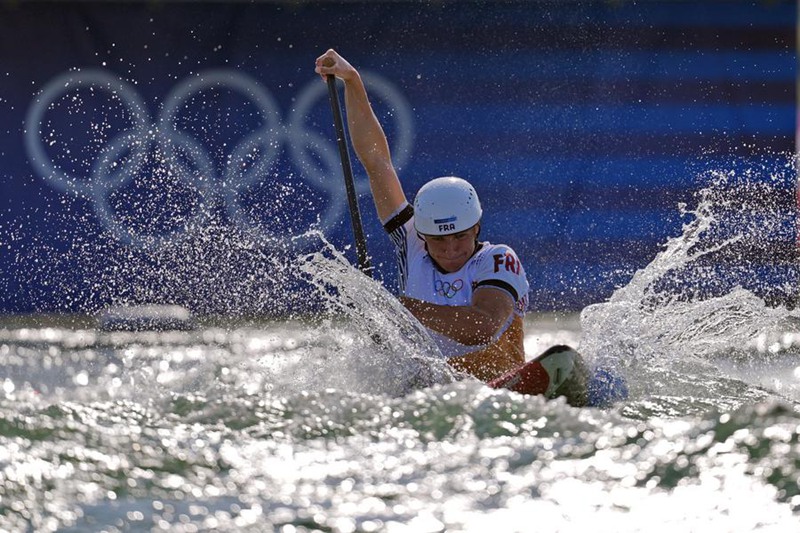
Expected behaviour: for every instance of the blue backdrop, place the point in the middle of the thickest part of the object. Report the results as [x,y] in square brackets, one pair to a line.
[158,151]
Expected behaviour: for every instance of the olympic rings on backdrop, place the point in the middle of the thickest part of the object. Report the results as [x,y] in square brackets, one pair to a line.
[34,144]
[248,163]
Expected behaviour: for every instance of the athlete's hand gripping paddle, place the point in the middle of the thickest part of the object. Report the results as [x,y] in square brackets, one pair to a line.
[352,200]
[347,170]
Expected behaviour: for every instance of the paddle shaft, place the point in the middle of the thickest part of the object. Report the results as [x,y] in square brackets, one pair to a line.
[347,170]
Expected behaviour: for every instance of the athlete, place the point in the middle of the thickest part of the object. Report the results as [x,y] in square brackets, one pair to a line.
[471,295]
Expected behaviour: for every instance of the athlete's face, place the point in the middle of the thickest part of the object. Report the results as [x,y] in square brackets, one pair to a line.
[451,252]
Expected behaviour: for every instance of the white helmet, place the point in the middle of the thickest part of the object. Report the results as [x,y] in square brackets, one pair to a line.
[446,205]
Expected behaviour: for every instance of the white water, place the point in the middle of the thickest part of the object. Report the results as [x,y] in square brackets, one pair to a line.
[309,425]
[662,320]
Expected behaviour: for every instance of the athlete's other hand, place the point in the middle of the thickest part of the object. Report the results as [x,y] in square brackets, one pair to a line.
[332,63]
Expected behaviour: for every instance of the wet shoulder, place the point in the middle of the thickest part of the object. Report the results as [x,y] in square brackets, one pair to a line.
[497,259]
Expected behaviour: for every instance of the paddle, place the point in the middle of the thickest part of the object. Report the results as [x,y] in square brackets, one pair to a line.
[347,170]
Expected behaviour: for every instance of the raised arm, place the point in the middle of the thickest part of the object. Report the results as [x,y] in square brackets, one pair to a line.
[369,140]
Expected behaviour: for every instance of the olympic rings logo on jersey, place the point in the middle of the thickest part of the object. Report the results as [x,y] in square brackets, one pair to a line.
[447,289]
[249,164]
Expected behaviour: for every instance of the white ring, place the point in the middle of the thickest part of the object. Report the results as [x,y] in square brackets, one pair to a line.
[102,190]
[249,162]
[61,85]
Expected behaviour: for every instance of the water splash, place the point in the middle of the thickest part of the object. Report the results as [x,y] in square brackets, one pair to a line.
[726,281]
[395,353]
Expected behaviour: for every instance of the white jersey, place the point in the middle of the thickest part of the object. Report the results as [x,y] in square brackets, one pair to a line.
[492,265]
